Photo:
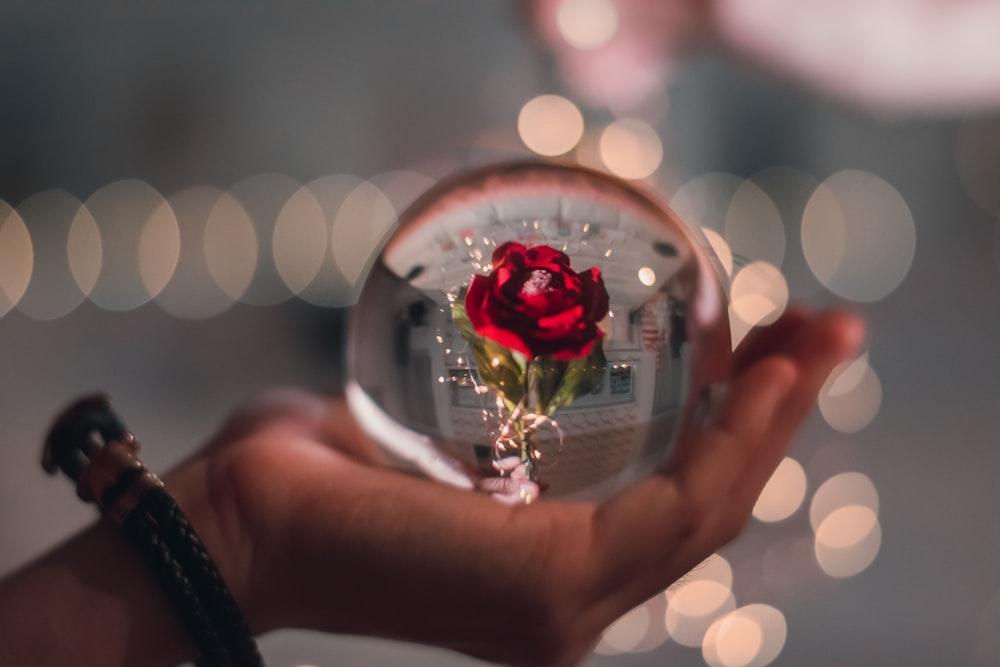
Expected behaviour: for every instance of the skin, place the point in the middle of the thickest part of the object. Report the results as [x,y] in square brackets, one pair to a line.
[311,531]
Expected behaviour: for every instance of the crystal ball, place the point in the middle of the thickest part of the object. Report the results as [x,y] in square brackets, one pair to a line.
[534,330]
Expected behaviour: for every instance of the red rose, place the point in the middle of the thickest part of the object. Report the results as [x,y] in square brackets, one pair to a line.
[533,302]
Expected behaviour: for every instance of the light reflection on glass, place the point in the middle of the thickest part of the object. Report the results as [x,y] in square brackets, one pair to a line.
[647,276]
[550,125]
[17,258]
[721,249]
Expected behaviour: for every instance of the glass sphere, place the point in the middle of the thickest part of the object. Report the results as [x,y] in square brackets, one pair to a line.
[536,330]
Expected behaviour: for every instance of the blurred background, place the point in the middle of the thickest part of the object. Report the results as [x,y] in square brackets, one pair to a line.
[190,196]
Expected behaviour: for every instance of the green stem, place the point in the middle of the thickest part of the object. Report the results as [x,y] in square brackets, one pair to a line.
[527,434]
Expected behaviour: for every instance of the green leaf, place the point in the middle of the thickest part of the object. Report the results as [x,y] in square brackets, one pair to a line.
[545,375]
[497,367]
[580,377]
[549,383]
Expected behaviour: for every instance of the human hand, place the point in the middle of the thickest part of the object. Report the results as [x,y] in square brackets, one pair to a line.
[310,531]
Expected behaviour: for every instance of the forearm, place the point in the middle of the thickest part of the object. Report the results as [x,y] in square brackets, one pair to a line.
[91,601]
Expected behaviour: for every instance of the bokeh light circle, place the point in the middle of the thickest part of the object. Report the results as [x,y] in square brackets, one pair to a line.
[159,249]
[365,217]
[789,190]
[851,397]
[858,236]
[846,526]
[847,488]
[759,293]
[587,24]
[753,226]
[704,201]
[301,238]
[261,198]
[216,253]
[631,149]
[17,257]
[232,248]
[627,632]
[550,125]
[122,210]
[54,290]
[783,494]
[848,541]
[328,287]
[402,187]
[698,599]
[639,631]
[723,253]
[84,250]
[751,636]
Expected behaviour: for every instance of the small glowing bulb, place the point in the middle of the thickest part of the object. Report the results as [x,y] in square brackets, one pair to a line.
[647,276]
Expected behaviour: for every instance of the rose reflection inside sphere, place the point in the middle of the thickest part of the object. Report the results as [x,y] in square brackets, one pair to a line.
[534,330]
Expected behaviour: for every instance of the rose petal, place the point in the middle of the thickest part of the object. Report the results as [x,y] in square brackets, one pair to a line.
[507,252]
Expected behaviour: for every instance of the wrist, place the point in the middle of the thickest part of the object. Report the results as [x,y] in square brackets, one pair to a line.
[91,601]
[91,445]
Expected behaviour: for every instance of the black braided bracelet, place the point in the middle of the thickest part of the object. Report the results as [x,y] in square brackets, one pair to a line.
[91,445]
